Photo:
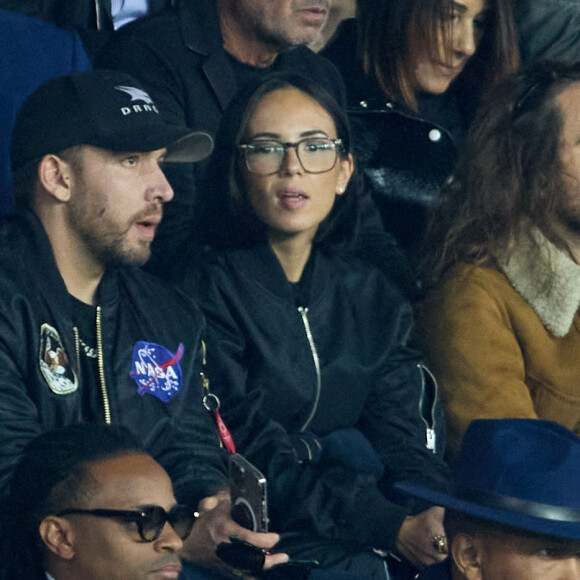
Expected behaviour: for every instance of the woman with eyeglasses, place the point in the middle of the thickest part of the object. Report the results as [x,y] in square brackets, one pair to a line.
[307,347]
[415,71]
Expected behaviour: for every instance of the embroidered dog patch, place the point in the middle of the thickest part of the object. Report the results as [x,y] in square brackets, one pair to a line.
[156,370]
[54,362]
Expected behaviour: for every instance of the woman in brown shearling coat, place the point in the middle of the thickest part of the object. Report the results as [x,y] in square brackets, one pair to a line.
[500,324]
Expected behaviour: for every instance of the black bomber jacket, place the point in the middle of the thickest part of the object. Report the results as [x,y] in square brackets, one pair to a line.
[148,343]
[288,371]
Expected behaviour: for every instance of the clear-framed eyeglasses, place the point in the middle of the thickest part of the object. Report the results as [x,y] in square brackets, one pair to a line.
[315,154]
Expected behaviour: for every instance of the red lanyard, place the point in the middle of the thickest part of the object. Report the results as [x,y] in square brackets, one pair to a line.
[212,403]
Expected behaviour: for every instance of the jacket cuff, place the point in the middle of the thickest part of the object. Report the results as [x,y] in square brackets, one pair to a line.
[375,521]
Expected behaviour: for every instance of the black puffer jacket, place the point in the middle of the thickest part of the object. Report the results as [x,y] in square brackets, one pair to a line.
[292,374]
[41,383]
[405,155]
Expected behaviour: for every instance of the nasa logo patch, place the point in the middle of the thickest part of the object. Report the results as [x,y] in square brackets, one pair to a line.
[156,370]
[54,362]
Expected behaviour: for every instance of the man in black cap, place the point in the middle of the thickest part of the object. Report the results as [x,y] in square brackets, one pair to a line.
[514,507]
[85,335]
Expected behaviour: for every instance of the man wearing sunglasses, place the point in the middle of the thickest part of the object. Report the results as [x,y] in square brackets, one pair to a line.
[102,508]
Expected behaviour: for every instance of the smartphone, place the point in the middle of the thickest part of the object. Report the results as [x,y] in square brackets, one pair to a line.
[248,489]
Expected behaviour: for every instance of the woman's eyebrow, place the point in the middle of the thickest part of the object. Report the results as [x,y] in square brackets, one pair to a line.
[264,135]
[277,136]
[462,9]
[456,6]
[313,132]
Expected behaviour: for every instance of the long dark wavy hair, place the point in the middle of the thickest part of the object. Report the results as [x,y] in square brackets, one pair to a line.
[227,216]
[509,175]
[384,28]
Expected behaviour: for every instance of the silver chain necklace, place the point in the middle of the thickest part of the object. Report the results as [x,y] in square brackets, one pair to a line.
[90,351]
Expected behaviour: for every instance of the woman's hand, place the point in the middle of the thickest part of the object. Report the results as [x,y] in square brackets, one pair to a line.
[215,526]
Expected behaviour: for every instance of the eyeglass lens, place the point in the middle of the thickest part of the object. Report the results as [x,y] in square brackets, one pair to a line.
[151,523]
[315,154]
[149,520]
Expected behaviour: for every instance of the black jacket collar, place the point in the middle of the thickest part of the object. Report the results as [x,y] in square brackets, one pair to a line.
[260,264]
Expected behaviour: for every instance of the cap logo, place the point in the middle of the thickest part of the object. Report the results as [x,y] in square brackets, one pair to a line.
[137,95]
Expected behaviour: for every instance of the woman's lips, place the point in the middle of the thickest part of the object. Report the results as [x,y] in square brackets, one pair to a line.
[450,70]
[292,199]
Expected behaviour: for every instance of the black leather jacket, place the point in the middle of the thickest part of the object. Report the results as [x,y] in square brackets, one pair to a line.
[41,382]
[290,370]
[405,155]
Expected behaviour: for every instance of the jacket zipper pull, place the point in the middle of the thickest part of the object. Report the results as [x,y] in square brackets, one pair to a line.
[431,439]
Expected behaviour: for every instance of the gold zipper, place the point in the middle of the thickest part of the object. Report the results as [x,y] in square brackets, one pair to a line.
[101,364]
[77,350]
[204,379]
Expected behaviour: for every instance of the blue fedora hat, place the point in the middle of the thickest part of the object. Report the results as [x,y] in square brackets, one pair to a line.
[520,472]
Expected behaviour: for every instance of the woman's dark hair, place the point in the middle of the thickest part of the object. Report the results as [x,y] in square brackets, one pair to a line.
[51,476]
[387,51]
[508,176]
[227,217]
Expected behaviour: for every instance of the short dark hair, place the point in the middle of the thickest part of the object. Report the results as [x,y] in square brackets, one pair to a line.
[508,175]
[385,48]
[227,216]
[55,460]
[24,183]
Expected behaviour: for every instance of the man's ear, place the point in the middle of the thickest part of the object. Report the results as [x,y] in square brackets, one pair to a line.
[58,536]
[466,552]
[55,176]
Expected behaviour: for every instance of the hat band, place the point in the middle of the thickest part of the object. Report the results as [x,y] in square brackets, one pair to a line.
[514,504]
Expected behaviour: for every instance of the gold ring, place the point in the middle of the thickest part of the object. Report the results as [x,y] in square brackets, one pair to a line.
[440,544]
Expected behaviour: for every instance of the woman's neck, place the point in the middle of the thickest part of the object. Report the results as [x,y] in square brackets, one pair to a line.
[292,253]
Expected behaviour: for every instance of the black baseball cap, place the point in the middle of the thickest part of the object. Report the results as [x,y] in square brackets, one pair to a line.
[102,108]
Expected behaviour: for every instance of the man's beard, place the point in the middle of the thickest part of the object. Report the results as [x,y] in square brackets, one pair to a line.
[108,241]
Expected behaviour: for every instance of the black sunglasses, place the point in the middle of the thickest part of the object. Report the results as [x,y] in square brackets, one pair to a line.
[149,519]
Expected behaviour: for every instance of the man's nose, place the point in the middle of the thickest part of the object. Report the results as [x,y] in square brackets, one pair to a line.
[168,540]
[158,188]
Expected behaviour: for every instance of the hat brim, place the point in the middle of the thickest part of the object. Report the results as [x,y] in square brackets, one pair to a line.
[189,148]
[541,525]
[182,144]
